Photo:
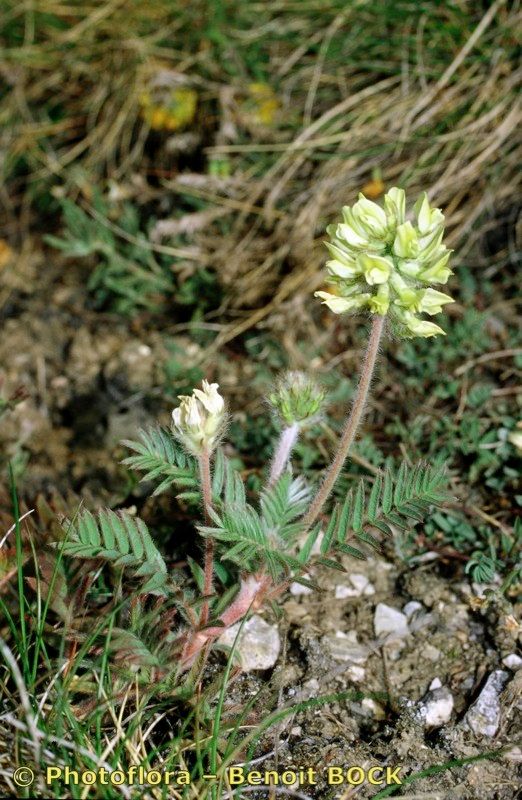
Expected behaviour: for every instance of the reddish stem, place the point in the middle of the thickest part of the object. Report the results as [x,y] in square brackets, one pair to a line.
[250,597]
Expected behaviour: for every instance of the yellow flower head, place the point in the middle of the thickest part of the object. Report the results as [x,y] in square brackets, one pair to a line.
[384,263]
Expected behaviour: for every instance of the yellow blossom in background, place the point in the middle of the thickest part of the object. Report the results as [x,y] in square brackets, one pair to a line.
[373,188]
[170,110]
[261,105]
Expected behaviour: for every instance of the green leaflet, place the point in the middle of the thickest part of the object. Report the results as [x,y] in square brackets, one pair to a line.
[263,537]
[121,539]
[400,499]
[159,456]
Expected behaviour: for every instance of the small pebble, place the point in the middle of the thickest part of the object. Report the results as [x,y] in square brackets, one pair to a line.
[375,709]
[359,585]
[258,646]
[514,755]
[412,607]
[483,717]
[355,673]
[512,661]
[435,708]
[345,647]
[390,622]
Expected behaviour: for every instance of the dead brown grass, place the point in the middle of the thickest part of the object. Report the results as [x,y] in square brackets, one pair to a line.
[442,113]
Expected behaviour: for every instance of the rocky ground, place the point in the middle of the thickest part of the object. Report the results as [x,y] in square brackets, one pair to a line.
[433,671]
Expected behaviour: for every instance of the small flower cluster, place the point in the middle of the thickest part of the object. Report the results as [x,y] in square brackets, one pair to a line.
[385,263]
[199,418]
[297,399]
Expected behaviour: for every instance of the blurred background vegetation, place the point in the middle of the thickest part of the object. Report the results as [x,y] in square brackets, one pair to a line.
[168,170]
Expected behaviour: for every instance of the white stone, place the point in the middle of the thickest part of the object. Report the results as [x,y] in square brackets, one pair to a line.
[435,684]
[309,689]
[342,591]
[297,589]
[345,647]
[374,709]
[513,754]
[412,607]
[483,717]
[258,646]
[512,661]
[390,622]
[359,585]
[435,708]
[362,583]
[355,673]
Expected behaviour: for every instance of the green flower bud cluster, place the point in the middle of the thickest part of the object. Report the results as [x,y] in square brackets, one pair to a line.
[297,399]
[384,263]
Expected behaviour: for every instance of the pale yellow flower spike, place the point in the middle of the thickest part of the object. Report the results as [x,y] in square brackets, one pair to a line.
[384,263]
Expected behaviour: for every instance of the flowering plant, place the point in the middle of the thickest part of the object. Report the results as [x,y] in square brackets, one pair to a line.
[254,549]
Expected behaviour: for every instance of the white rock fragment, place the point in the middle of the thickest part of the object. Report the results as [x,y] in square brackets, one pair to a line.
[342,591]
[345,647]
[309,689]
[359,585]
[436,707]
[355,673]
[412,608]
[483,717]
[297,589]
[512,661]
[362,584]
[373,709]
[258,646]
[390,622]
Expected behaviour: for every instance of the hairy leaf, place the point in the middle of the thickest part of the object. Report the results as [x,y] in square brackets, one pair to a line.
[158,455]
[121,539]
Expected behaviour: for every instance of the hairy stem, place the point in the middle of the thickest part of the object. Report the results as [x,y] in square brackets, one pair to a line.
[206,487]
[252,592]
[283,452]
[352,423]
